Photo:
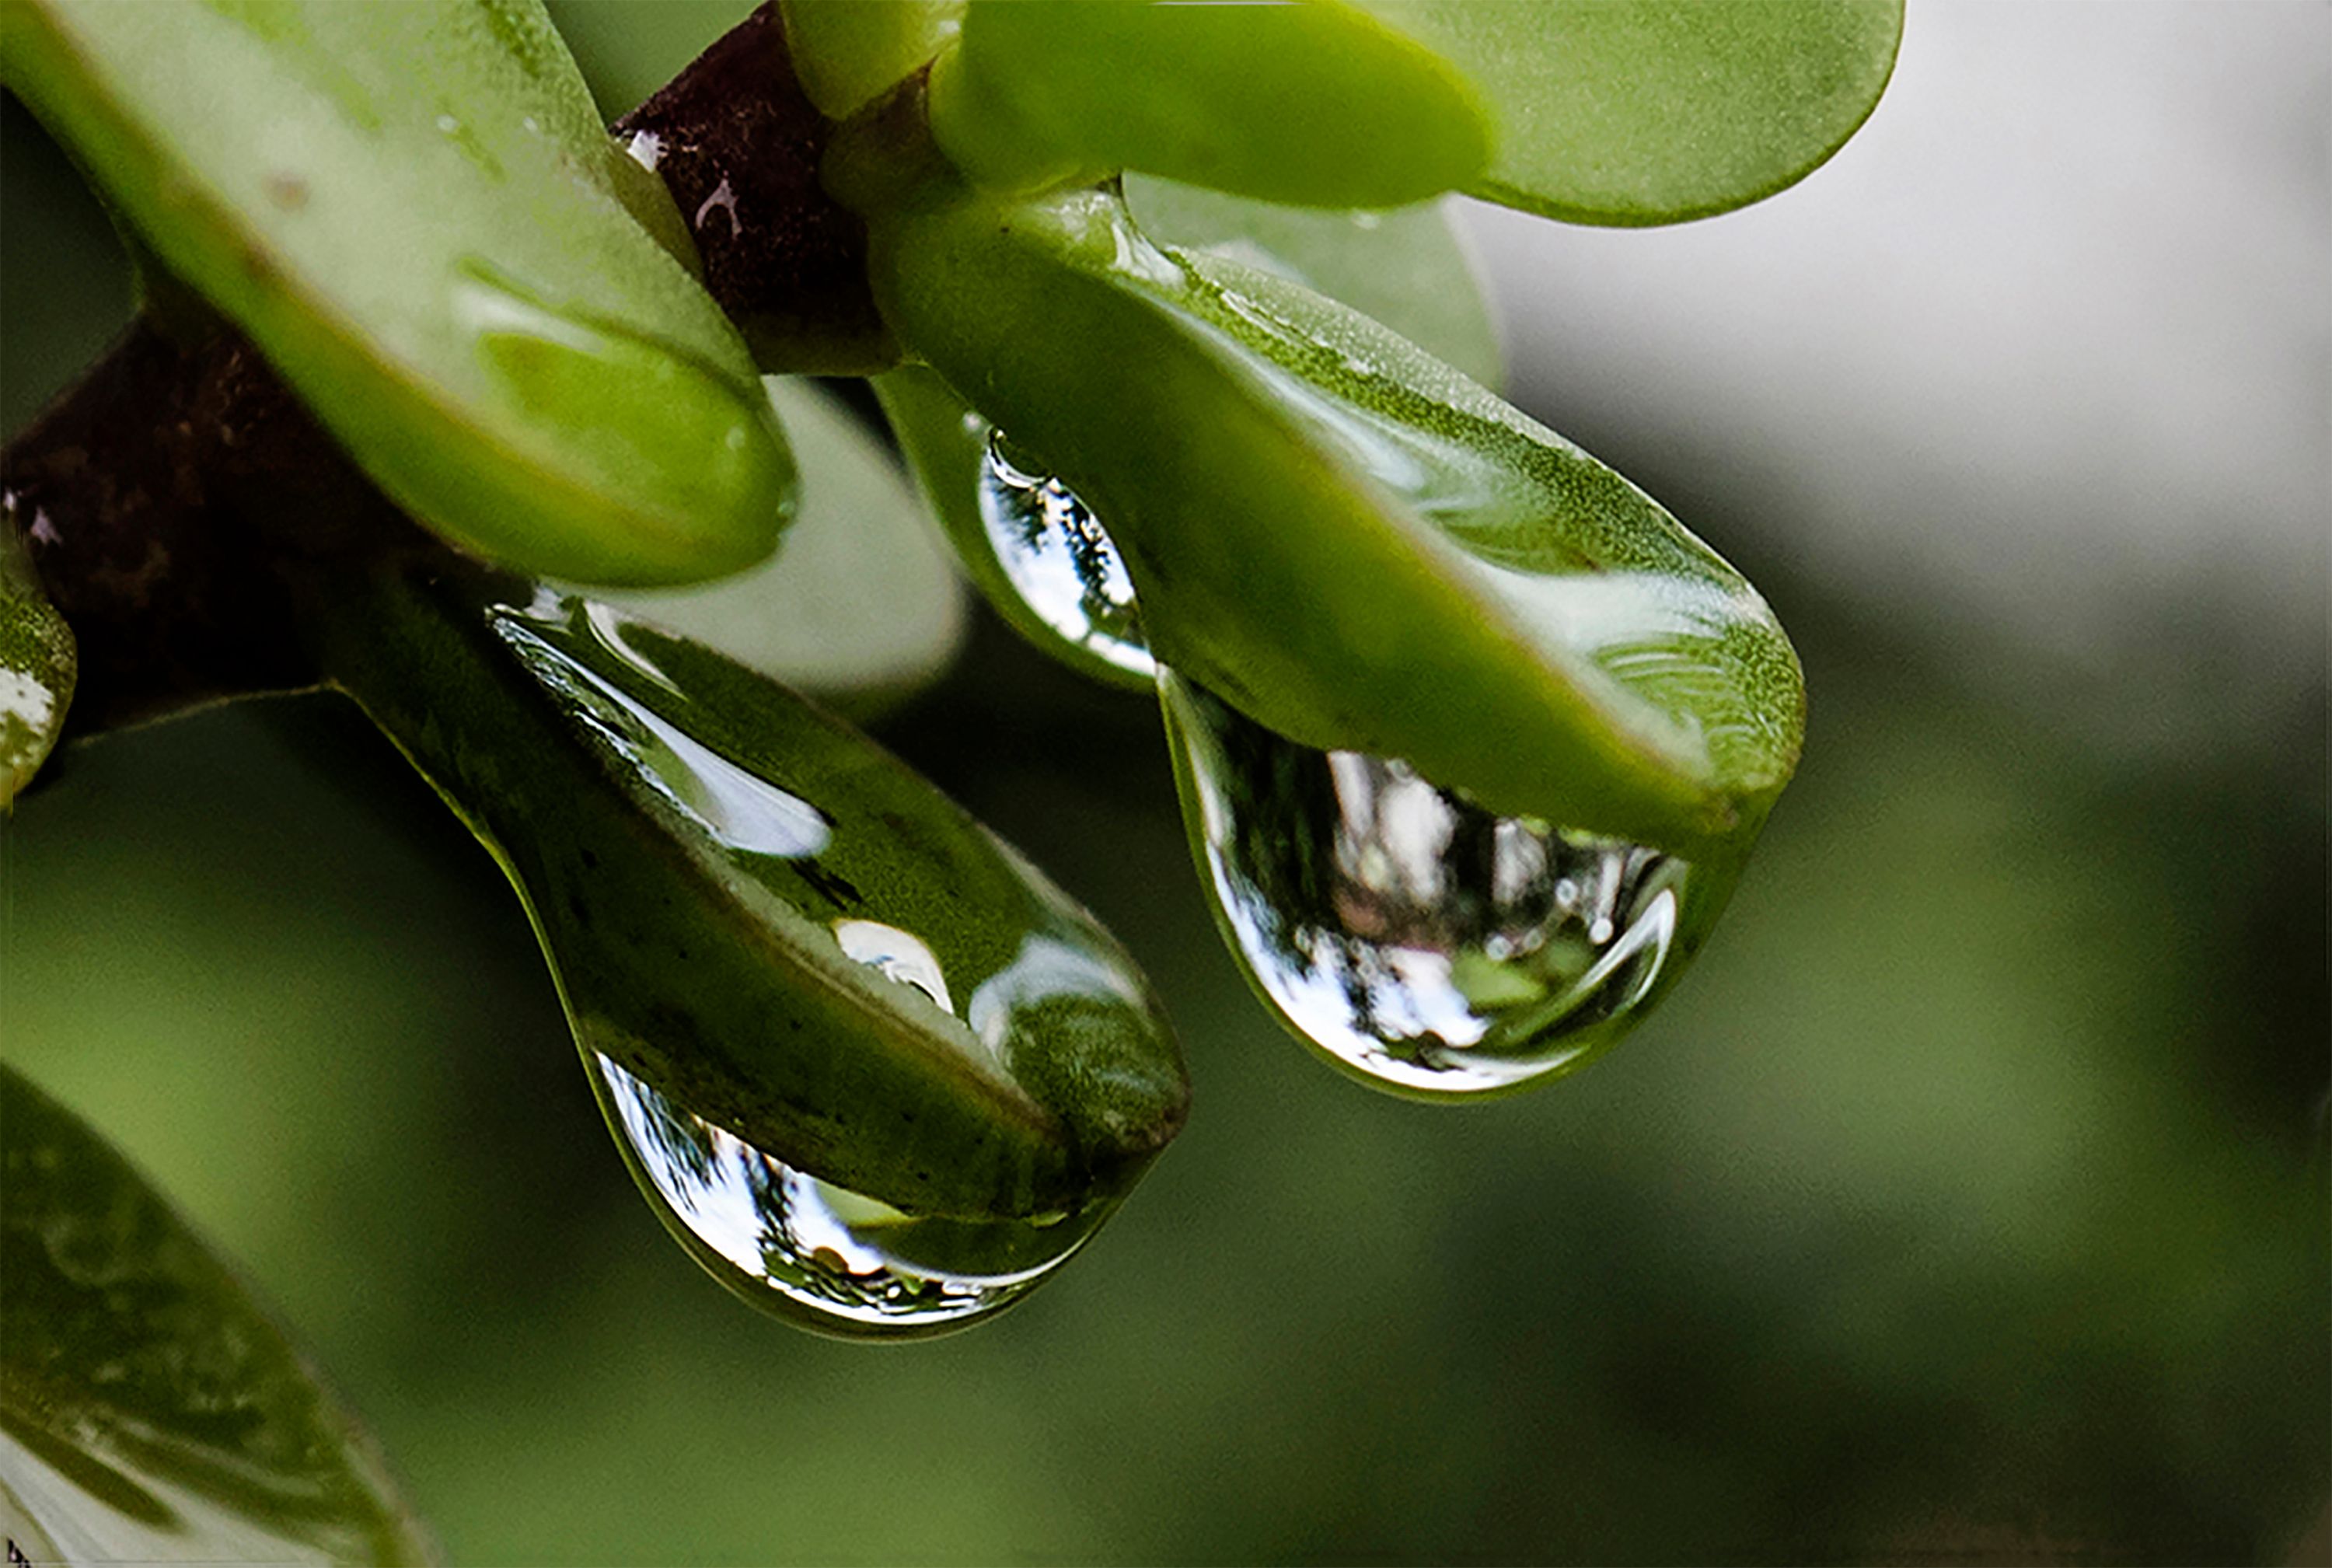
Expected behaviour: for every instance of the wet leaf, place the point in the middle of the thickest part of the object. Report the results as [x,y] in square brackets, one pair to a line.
[1654,111]
[150,1411]
[1315,104]
[416,212]
[37,665]
[756,912]
[860,606]
[1407,267]
[1348,540]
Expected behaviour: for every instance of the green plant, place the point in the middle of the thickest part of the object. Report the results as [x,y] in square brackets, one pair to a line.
[1473,737]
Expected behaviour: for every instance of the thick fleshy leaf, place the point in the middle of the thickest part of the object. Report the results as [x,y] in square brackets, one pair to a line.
[846,53]
[759,916]
[1406,267]
[1350,541]
[37,664]
[1654,111]
[860,607]
[416,212]
[149,1409]
[1317,102]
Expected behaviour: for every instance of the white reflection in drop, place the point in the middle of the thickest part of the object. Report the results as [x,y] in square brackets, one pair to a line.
[1416,938]
[901,955]
[1061,561]
[828,1258]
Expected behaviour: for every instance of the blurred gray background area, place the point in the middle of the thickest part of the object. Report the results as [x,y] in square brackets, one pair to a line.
[1967,1203]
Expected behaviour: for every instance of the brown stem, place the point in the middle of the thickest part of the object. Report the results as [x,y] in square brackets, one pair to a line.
[167,499]
[140,496]
[739,145]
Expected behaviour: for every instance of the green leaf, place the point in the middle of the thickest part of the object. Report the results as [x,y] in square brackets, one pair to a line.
[1314,103]
[702,852]
[860,606]
[1350,541]
[150,1410]
[1654,111]
[416,212]
[1406,267]
[38,662]
[846,53]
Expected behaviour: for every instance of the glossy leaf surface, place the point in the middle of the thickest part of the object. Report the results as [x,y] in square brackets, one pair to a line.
[712,865]
[847,53]
[416,212]
[37,665]
[1654,111]
[1315,104]
[860,606]
[149,1409]
[1407,268]
[1348,540]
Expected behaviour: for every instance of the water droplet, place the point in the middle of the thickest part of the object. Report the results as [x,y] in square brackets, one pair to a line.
[829,1258]
[1061,561]
[1418,940]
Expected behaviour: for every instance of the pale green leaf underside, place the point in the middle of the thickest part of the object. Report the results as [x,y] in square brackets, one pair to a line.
[149,1409]
[1654,111]
[1350,540]
[861,605]
[416,212]
[1408,267]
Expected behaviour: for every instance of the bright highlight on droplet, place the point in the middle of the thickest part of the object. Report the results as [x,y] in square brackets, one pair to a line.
[1421,942]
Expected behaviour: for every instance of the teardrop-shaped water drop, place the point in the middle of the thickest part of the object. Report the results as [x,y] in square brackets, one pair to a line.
[1422,942]
[834,1260]
[871,1069]
[1061,561]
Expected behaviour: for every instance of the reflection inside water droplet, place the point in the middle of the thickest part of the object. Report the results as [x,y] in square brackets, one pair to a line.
[1423,941]
[739,808]
[1061,561]
[826,1257]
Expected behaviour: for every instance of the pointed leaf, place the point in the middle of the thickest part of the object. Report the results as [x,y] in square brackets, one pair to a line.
[1654,111]
[416,212]
[860,607]
[1315,102]
[1350,541]
[150,1411]
[706,857]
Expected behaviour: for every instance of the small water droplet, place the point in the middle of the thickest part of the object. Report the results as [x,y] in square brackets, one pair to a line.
[1418,940]
[1061,561]
[830,1259]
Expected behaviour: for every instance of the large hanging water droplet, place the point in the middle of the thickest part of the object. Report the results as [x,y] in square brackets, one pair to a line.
[831,1259]
[870,1068]
[1418,939]
[1061,561]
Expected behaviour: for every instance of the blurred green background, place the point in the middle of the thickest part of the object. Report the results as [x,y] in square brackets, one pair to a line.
[1968,1203]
